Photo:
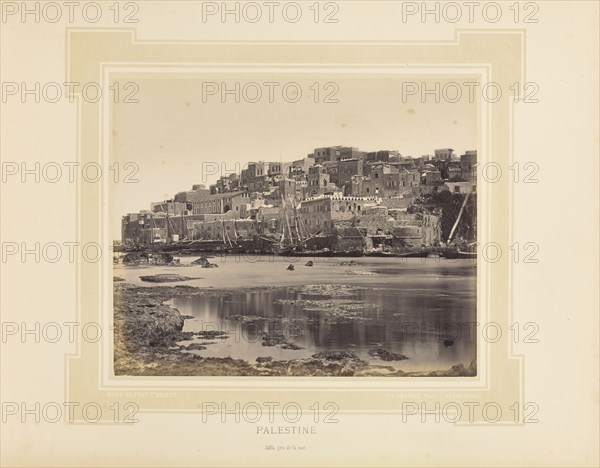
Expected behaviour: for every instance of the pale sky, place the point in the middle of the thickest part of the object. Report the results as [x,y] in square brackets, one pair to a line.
[170,132]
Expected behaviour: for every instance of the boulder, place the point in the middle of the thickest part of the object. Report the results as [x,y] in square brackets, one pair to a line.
[165,278]
[386,355]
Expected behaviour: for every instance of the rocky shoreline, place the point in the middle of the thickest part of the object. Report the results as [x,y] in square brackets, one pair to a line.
[147,333]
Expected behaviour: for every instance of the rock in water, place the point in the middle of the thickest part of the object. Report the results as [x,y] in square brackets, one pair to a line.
[148,258]
[204,263]
[165,278]
[194,347]
[263,359]
[293,346]
[309,263]
[335,355]
[290,267]
[386,355]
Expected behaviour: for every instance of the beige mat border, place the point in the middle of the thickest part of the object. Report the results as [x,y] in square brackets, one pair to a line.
[93,54]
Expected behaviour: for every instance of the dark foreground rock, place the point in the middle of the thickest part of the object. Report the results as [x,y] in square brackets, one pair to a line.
[336,355]
[457,370]
[142,323]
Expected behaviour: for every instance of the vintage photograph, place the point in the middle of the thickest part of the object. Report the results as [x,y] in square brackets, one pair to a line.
[242,248]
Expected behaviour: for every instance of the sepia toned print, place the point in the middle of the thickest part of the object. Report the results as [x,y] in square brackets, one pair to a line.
[339,261]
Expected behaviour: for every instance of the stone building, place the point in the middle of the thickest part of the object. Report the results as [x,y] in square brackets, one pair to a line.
[443,154]
[298,170]
[221,228]
[322,213]
[318,181]
[198,192]
[431,175]
[332,168]
[328,153]
[228,183]
[350,152]
[170,207]
[384,181]
[222,203]
[468,166]
[382,155]
[348,168]
[337,153]
[414,231]
[458,186]
[454,170]
[316,214]
[291,189]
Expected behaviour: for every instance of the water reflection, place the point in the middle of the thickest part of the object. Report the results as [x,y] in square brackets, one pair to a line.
[428,318]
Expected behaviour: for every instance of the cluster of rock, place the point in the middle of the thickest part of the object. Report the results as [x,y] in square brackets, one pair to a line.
[291,266]
[204,263]
[148,257]
[278,339]
[142,322]
[334,310]
[386,354]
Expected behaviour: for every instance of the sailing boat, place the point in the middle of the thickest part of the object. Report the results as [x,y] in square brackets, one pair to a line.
[228,244]
[294,233]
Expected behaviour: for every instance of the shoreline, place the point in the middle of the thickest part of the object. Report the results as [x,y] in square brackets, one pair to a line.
[184,249]
[147,332]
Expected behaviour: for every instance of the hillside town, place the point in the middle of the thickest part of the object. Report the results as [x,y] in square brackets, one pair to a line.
[337,199]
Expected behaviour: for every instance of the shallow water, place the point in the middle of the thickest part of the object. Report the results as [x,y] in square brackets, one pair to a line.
[419,308]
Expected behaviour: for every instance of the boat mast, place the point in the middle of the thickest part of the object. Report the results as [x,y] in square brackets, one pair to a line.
[223,232]
[182,226]
[287,222]
[151,228]
[235,232]
[296,221]
[281,241]
[458,217]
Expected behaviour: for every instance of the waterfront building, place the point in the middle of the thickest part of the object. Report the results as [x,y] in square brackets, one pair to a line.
[222,203]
